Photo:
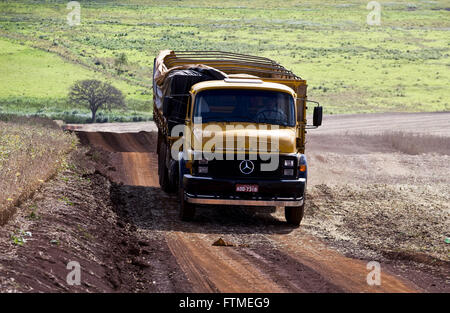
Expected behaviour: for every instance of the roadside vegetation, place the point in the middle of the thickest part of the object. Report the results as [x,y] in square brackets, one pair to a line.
[350,67]
[31,151]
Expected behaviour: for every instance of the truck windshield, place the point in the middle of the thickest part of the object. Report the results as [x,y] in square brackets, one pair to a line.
[240,105]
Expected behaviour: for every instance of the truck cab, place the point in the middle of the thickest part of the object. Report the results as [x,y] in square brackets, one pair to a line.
[240,142]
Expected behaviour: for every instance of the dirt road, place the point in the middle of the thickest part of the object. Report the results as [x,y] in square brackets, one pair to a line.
[428,123]
[267,255]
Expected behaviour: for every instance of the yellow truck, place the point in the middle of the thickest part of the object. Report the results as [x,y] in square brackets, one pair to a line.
[231,131]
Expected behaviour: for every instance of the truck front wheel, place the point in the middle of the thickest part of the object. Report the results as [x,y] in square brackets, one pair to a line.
[294,214]
[187,210]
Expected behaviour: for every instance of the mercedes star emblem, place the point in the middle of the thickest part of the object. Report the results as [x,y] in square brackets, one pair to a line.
[246,167]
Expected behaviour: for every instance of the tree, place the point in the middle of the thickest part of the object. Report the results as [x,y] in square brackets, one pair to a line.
[95,94]
[119,62]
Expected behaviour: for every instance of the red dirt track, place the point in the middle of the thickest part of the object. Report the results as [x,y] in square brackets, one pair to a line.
[268,255]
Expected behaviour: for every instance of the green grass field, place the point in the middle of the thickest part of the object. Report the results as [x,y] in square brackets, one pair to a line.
[34,81]
[401,65]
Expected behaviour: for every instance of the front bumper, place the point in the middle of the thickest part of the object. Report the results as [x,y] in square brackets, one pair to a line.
[221,191]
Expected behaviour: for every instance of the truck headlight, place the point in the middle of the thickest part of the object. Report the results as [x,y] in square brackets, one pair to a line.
[288,163]
[288,172]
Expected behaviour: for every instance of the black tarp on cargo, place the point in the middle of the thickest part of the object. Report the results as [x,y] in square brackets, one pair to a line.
[176,87]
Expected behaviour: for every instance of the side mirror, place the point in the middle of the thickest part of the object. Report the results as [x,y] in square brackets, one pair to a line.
[317,116]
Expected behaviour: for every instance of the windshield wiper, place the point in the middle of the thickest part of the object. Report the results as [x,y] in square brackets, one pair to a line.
[274,122]
[227,118]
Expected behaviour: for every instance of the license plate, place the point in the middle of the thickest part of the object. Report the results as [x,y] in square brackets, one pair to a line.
[247,188]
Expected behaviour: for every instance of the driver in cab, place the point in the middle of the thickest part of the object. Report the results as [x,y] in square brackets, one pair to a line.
[267,109]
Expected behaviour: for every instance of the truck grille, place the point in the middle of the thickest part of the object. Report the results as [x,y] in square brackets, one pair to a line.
[238,169]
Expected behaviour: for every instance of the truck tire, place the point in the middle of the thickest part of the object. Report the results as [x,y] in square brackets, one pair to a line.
[187,210]
[294,214]
[163,172]
[158,152]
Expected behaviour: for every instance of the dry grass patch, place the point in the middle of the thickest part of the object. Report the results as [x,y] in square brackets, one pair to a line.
[31,151]
[416,143]
[411,143]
